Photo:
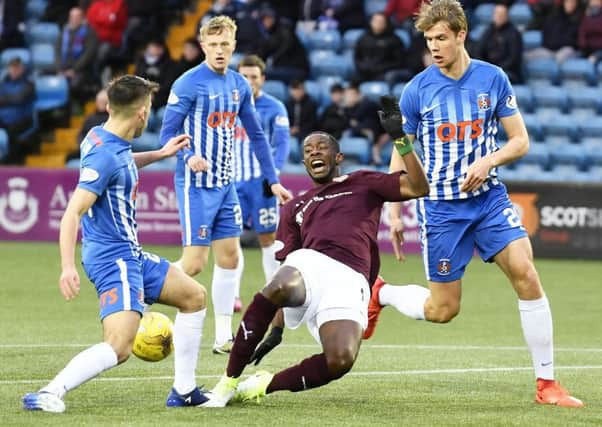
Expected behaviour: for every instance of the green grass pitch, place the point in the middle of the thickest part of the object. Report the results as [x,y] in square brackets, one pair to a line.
[473,371]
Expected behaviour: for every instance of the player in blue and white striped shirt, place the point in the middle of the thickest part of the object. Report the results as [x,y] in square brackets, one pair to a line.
[260,210]
[205,102]
[452,109]
[125,277]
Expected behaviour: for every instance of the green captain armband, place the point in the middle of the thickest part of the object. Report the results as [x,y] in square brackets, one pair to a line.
[403,145]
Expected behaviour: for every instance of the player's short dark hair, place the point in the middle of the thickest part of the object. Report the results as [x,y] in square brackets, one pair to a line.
[449,11]
[129,90]
[252,61]
[331,139]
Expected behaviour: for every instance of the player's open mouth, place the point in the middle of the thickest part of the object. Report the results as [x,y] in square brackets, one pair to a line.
[437,58]
[318,165]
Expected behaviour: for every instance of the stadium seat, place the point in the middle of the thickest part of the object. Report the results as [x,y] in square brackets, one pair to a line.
[294,153]
[595,174]
[326,62]
[43,57]
[529,171]
[43,32]
[398,90]
[583,113]
[524,98]
[585,97]
[356,148]
[404,36]
[148,141]
[51,92]
[326,82]
[551,96]
[483,14]
[276,88]
[34,9]
[599,71]
[374,89]
[303,37]
[590,127]
[563,153]
[476,33]
[560,125]
[236,57]
[592,147]
[533,126]
[314,90]
[542,69]
[538,154]
[325,39]
[578,69]
[569,173]
[72,164]
[10,53]
[351,37]
[373,6]
[532,39]
[3,143]
[520,14]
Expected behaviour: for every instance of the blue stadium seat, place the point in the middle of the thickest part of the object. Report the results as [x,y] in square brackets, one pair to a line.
[520,14]
[398,89]
[314,90]
[326,62]
[533,126]
[276,88]
[294,169]
[595,174]
[34,9]
[373,6]
[538,154]
[351,37]
[483,14]
[10,53]
[592,147]
[51,92]
[524,98]
[590,127]
[72,164]
[552,96]
[356,148]
[294,153]
[43,32]
[506,174]
[303,37]
[563,153]
[404,36]
[583,113]
[327,81]
[561,125]
[236,57]
[3,144]
[599,71]
[586,97]
[374,89]
[529,171]
[325,39]
[569,173]
[477,32]
[148,141]
[43,57]
[578,69]
[542,69]
[532,39]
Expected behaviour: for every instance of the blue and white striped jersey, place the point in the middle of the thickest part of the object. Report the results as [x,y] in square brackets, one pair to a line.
[109,229]
[456,122]
[205,105]
[273,117]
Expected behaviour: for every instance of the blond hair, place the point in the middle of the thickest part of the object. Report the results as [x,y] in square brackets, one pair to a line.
[217,25]
[448,11]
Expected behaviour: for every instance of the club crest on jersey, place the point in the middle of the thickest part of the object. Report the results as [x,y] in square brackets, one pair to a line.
[235,96]
[203,232]
[483,101]
[444,267]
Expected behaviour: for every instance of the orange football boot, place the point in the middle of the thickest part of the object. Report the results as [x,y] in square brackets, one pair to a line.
[549,392]
[374,307]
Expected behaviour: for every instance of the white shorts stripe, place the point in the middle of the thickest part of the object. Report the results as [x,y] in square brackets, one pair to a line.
[187,230]
[125,284]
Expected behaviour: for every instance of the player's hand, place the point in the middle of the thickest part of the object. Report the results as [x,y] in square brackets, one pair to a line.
[69,283]
[175,144]
[281,193]
[390,117]
[476,175]
[396,235]
[197,164]
[267,345]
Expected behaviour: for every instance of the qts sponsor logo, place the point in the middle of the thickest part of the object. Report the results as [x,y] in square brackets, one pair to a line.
[524,204]
[225,119]
[447,132]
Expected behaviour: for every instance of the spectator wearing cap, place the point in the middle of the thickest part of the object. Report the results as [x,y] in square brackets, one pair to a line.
[17,94]
[302,111]
[75,53]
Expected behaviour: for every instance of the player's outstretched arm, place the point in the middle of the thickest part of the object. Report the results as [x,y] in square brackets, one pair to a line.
[171,147]
[80,202]
[517,147]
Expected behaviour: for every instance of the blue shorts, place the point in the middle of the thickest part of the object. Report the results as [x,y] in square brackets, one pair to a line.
[128,284]
[258,212]
[208,214]
[450,230]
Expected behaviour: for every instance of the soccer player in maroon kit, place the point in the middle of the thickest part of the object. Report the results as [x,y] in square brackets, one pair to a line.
[330,256]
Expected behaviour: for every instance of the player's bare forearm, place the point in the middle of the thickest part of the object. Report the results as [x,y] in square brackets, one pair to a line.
[68,238]
[171,147]
[414,183]
[518,141]
[146,158]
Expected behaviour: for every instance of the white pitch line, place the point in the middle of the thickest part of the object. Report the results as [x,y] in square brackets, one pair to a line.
[352,374]
[375,346]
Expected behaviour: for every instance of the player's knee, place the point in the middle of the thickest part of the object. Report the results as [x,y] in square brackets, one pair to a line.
[122,349]
[340,362]
[443,313]
[196,299]
[526,282]
[286,288]
[192,268]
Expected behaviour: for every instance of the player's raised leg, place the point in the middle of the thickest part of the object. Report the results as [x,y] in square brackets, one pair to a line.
[181,291]
[516,261]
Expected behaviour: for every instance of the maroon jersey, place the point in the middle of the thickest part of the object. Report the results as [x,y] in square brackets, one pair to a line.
[340,219]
